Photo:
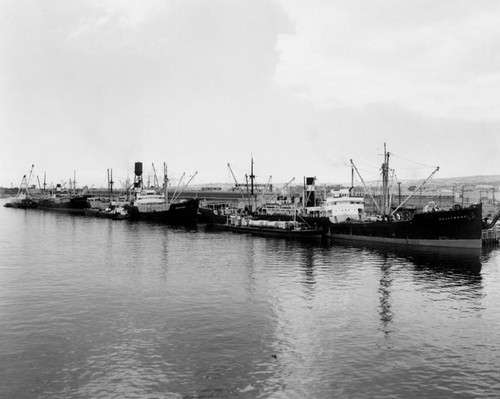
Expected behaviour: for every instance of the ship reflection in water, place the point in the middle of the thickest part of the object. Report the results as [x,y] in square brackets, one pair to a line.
[437,259]
[442,267]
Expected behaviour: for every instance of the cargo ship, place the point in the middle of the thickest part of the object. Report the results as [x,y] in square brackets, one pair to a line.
[457,227]
[62,200]
[150,205]
[155,204]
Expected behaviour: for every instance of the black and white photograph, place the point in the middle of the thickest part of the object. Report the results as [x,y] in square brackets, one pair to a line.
[252,199]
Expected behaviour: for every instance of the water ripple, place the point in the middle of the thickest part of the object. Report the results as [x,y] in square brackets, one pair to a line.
[94,308]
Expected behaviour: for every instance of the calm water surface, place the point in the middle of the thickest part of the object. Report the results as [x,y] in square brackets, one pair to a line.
[93,308]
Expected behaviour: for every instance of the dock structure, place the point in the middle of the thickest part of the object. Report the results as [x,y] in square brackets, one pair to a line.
[490,237]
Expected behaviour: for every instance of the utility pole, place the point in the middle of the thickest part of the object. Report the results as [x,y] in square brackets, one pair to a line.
[399,192]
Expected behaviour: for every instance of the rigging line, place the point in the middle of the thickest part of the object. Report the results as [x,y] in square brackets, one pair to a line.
[368,165]
[371,178]
[409,160]
[423,167]
[371,172]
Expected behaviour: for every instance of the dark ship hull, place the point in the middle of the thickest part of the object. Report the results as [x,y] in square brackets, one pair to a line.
[209,216]
[25,203]
[458,228]
[181,213]
[76,205]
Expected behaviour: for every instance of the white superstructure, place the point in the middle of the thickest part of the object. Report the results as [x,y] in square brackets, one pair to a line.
[151,201]
[340,206]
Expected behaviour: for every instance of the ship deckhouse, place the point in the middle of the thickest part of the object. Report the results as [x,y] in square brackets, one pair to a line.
[339,206]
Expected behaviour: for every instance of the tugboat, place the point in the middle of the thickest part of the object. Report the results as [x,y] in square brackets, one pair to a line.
[114,212]
[156,205]
[457,227]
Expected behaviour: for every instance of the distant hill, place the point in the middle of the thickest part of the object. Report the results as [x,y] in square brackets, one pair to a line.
[480,179]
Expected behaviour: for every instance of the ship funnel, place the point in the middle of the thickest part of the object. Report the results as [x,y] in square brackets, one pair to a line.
[138,169]
[138,176]
[310,191]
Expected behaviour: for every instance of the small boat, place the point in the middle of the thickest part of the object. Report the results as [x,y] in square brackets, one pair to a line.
[286,229]
[113,212]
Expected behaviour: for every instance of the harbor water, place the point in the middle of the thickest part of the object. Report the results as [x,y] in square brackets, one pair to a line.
[96,308]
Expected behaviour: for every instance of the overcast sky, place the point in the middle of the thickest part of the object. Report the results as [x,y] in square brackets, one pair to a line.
[302,86]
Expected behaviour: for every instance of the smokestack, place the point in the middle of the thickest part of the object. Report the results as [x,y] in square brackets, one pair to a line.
[310,191]
[138,175]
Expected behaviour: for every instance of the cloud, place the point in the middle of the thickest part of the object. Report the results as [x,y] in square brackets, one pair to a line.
[437,59]
[303,86]
[123,14]
[144,79]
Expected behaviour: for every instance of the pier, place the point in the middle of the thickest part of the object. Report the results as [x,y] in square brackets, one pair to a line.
[490,237]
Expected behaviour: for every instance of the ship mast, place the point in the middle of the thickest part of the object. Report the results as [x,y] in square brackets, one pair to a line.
[165,181]
[29,179]
[177,194]
[251,197]
[261,198]
[352,181]
[365,186]
[252,177]
[110,184]
[385,183]
[238,186]
[155,178]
